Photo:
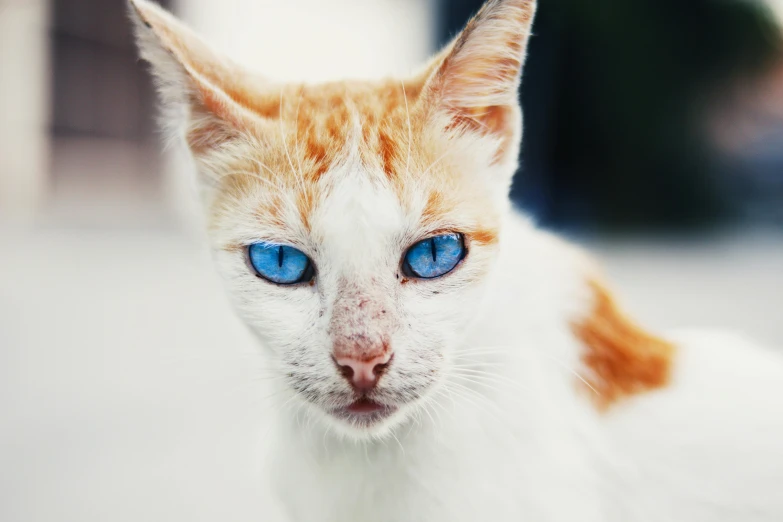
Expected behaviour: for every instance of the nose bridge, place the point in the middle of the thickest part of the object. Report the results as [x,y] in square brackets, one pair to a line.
[362,322]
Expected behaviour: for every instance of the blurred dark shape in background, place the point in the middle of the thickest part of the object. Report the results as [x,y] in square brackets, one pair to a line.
[639,114]
[98,89]
[102,123]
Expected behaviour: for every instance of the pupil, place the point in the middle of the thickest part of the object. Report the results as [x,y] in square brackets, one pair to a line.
[280,257]
[434,251]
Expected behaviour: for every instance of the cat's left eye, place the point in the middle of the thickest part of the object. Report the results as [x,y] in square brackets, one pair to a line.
[434,257]
[281,264]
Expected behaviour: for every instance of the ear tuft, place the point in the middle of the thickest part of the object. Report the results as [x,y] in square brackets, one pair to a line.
[486,59]
[215,97]
[478,79]
[155,47]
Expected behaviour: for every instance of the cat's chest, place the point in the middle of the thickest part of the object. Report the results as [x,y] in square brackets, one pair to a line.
[477,474]
[406,487]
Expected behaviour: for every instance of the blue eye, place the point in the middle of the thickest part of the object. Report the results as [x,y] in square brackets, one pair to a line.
[434,257]
[280,264]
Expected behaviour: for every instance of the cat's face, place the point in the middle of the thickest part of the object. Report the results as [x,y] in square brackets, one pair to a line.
[355,224]
[355,221]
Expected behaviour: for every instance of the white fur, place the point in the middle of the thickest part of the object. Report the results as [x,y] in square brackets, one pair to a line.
[519,444]
[492,425]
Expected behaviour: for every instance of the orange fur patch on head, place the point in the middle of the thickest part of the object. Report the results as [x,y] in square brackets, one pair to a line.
[318,125]
[623,358]
[254,139]
[318,121]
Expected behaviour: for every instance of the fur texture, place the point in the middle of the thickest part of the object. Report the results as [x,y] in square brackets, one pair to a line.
[518,389]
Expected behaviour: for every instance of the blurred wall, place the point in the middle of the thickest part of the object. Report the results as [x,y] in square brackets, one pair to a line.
[104,167]
[317,40]
[23,107]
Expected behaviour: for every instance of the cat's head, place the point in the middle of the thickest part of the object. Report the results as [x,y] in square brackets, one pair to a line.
[355,223]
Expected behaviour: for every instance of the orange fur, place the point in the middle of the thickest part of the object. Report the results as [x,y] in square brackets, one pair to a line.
[622,358]
[252,135]
[318,125]
[479,83]
[484,236]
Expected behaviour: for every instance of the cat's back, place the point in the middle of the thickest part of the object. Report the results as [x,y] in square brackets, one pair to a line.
[709,445]
[696,427]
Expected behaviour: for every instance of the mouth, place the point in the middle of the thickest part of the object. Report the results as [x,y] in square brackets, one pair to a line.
[364,412]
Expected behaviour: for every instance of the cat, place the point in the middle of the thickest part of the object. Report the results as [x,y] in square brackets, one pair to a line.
[438,358]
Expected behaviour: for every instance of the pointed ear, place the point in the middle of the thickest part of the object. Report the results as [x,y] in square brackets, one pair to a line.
[477,81]
[207,94]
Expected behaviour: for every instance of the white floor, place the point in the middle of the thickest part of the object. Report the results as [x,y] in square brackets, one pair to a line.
[129,392]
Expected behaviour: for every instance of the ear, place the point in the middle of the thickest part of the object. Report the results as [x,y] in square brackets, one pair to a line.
[476,84]
[203,94]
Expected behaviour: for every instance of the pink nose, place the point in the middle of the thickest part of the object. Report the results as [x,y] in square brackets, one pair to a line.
[364,375]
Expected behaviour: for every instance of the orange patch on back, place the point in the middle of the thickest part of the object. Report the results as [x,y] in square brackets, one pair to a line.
[623,358]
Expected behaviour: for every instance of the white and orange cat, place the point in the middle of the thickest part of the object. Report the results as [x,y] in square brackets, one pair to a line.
[440,359]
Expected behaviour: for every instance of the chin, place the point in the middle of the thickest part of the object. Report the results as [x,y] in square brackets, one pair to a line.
[369,426]
[363,420]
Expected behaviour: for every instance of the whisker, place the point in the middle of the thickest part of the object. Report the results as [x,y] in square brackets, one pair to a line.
[489,350]
[436,403]
[432,165]
[497,376]
[478,382]
[468,395]
[285,144]
[480,364]
[296,131]
[410,129]
[398,441]
[574,373]
[425,407]
[254,175]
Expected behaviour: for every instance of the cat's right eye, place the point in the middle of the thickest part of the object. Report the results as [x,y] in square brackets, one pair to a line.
[281,264]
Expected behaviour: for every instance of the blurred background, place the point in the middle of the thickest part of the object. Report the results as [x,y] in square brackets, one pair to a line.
[128,390]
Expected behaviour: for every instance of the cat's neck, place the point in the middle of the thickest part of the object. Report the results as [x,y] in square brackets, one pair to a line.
[539,288]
